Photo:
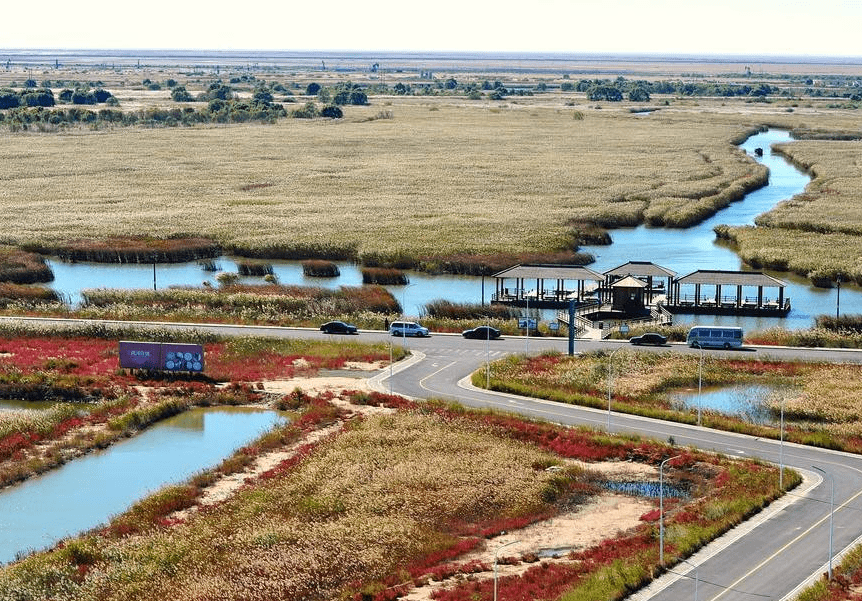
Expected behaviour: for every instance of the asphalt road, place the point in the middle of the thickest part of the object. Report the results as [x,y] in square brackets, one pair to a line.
[769,557]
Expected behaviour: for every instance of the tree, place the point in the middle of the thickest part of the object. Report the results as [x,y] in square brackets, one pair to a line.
[42,97]
[401,89]
[639,94]
[171,83]
[102,95]
[341,98]
[9,99]
[180,94]
[450,84]
[331,112]
[604,92]
[220,91]
[262,96]
[83,97]
[312,89]
[309,111]
[358,97]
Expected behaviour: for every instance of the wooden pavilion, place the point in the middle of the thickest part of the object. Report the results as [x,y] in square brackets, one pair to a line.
[705,291]
[555,285]
[656,278]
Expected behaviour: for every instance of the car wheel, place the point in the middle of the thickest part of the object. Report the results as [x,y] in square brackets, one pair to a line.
[726,346]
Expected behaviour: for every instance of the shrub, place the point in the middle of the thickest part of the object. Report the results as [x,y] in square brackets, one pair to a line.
[384,276]
[318,268]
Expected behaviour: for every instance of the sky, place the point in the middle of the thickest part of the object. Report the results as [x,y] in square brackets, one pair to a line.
[743,27]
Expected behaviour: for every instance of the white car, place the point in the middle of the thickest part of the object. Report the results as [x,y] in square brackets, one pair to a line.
[407,328]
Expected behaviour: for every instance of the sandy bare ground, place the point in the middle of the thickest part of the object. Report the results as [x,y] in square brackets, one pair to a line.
[604,516]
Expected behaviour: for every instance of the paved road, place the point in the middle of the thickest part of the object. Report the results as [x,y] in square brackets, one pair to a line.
[767,558]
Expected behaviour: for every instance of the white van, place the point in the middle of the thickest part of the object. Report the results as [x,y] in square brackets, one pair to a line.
[715,337]
[407,328]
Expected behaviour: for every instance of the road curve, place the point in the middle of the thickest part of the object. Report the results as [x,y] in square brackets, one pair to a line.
[769,557]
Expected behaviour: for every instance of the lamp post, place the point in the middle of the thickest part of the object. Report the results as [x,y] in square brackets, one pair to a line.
[661,509]
[610,369]
[838,297]
[781,448]
[487,353]
[404,313]
[500,548]
[696,577]
[831,515]
[699,383]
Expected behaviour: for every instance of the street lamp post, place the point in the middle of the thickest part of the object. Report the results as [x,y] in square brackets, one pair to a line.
[696,576]
[661,509]
[838,298]
[699,383]
[404,313]
[500,548]
[831,515]
[488,354]
[610,369]
[781,449]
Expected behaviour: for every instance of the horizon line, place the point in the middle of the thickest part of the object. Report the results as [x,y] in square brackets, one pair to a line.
[593,55]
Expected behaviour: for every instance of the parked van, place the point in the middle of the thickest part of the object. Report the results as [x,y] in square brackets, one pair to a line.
[407,328]
[714,336]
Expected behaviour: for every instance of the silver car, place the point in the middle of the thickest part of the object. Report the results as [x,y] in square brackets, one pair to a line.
[407,328]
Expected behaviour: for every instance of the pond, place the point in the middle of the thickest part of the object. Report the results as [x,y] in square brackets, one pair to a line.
[749,402]
[682,250]
[85,493]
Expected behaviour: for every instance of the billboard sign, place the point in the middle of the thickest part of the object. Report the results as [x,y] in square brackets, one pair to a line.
[182,357]
[161,356]
[140,355]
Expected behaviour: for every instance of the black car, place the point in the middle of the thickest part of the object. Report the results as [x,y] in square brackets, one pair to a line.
[482,333]
[649,338]
[338,327]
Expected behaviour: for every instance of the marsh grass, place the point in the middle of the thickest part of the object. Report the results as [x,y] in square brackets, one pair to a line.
[524,181]
[131,249]
[318,268]
[384,276]
[445,309]
[19,266]
[254,268]
[270,304]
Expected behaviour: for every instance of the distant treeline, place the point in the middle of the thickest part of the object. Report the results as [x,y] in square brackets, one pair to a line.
[44,97]
[222,111]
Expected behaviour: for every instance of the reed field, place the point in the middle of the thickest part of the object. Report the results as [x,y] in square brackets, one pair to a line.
[817,234]
[442,176]
[820,401]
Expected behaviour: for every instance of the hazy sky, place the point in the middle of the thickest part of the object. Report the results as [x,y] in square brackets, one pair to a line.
[795,27]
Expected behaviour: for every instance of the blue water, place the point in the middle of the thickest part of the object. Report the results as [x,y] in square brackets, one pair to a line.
[71,278]
[690,249]
[681,250]
[744,401]
[83,493]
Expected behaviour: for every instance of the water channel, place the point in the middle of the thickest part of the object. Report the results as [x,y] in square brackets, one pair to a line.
[682,250]
[83,494]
